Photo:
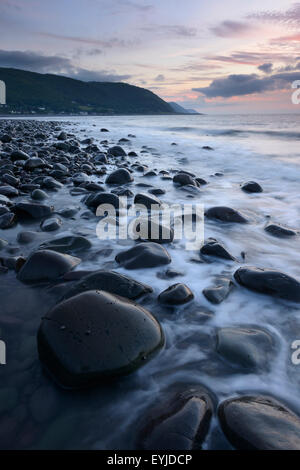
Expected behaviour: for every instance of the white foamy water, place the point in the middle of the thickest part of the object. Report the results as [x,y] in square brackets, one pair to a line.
[260,148]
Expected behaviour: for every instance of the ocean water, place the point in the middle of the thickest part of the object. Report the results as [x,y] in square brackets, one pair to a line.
[245,147]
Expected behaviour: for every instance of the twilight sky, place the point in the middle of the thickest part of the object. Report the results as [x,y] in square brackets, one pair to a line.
[212,55]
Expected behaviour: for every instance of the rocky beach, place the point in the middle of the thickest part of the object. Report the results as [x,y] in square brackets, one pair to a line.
[142,344]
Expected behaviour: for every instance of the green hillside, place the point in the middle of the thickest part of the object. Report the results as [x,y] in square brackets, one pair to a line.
[28,92]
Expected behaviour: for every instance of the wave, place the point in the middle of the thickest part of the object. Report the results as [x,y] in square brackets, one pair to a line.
[236,132]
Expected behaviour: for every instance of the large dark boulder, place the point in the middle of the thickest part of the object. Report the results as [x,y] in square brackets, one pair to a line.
[144,255]
[19,155]
[120,176]
[226,214]
[184,179]
[112,282]
[69,244]
[214,248]
[180,422]
[251,187]
[259,423]
[116,151]
[147,200]
[269,281]
[95,200]
[280,231]
[220,291]
[176,294]
[95,336]
[250,348]
[33,210]
[46,265]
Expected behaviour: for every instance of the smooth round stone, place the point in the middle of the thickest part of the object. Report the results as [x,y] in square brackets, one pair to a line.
[252,187]
[214,248]
[178,423]
[7,220]
[270,282]
[120,176]
[51,183]
[250,348]
[46,265]
[176,294]
[27,237]
[34,163]
[184,179]
[220,291]
[9,191]
[95,200]
[39,195]
[157,191]
[147,200]
[150,230]
[280,231]
[225,214]
[69,244]
[34,210]
[109,281]
[95,336]
[19,155]
[116,151]
[50,225]
[68,212]
[144,255]
[259,423]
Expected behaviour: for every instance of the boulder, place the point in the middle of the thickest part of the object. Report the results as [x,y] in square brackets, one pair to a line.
[226,214]
[46,265]
[180,422]
[214,248]
[259,423]
[251,187]
[177,294]
[219,292]
[116,151]
[147,200]
[144,255]
[250,348]
[109,281]
[33,210]
[270,282]
[120,176]
[95,336]
[280,231]
[69,244]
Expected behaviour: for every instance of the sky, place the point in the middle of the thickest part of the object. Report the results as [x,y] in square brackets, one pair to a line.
[215,56]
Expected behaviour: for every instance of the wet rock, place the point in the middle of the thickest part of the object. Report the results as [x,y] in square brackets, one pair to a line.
[109,281]
[120,176]
[104,130]
[33,163]
[214,248]
[169,274]
[9,191]
[144,255]
[7,220]
[69,244]
[10,179]
[177,294]
[146,200]
[46,265]
[184,179]
[250,348]
[95,200]
[251,187]
[49,225]
[280,231]
[178,423]
[95,336]
[259,423]
[33,210]
[27,237]
[51,183]
[19,155]
[62,136]
[116,151]
[270,282]
[157,191]
[150,230]
[39,195]
[226,214]
[216,294]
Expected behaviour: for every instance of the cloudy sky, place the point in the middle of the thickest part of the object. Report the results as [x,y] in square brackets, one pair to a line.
[211,55]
